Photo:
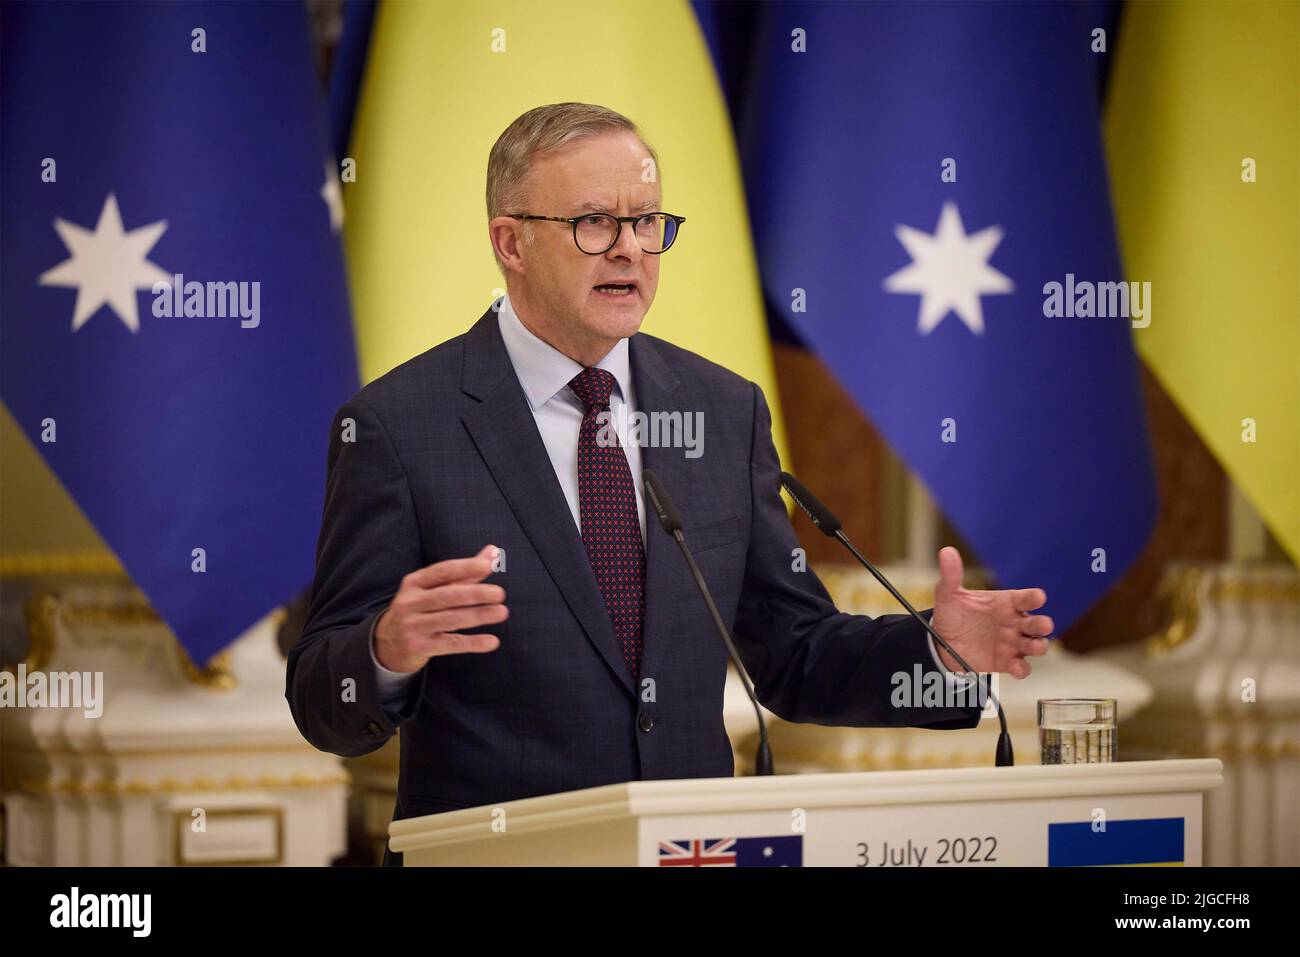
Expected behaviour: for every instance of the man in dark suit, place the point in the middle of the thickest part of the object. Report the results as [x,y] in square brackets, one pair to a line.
[486,579]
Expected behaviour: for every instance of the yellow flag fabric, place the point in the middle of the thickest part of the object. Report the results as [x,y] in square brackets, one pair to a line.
[1203,99]
[443,81]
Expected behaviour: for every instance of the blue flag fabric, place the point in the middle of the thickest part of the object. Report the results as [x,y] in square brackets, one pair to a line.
[176,332]
[925,296]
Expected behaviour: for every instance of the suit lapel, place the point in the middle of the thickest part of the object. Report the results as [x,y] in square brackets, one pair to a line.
[658,390]
[504,431]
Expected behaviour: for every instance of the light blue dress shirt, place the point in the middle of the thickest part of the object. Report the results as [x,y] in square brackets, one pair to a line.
[544,373]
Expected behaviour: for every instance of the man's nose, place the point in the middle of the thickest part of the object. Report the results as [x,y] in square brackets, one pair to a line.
[626,245]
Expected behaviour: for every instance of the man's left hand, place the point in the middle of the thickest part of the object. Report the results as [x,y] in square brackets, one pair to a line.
[992,630]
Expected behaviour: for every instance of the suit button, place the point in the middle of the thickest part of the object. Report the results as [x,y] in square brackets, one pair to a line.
[644,721]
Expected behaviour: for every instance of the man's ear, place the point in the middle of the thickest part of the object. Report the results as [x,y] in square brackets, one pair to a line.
[505,235]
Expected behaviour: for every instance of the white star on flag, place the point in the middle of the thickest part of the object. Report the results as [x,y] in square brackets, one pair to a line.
[332,193]
[107,266]
[950,270]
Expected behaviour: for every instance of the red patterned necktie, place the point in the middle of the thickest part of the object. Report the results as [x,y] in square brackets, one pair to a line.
[611,529]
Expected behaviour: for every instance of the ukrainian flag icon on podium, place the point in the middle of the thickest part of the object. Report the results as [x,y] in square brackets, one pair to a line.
[1147,842]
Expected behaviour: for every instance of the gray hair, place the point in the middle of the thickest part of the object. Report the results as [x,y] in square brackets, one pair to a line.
[541,130]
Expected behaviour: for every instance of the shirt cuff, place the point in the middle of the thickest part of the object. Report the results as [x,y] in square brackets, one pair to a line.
[955,678]
[392,684]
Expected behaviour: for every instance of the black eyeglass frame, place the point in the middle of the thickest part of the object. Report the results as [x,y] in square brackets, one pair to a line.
[574,220]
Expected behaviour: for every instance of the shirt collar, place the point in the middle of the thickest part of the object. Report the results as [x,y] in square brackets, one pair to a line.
[544,370]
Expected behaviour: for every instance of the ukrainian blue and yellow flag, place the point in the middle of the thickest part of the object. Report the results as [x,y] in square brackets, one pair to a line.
[1203,157]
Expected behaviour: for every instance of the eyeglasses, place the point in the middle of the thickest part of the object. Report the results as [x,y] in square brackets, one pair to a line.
[596,233]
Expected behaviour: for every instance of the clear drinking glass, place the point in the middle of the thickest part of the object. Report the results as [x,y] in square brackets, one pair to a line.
[1078,730]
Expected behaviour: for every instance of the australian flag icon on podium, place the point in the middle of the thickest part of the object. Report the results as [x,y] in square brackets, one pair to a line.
[786,851]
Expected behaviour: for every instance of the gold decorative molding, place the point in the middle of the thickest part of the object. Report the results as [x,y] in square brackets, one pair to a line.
[182,818]
[50,751]
[1231,590]
[40,613]
[136,787]
[848,756]
[1193,744]
[1247,584]
[36,564]
[1182,595]
[855,590]
[1279,592]
[45,609]
[115,614]
[216,675]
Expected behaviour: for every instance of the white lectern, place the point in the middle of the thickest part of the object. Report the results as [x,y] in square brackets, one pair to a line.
[1135,813]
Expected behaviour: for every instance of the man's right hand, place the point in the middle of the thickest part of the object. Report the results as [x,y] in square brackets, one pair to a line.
[432,604]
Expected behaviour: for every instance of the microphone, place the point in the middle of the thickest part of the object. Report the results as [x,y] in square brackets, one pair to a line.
[671,520]
[825,520]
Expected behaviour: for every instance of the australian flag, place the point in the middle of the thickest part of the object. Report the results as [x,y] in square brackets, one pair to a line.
[176,334]
[919,174]
[786,851]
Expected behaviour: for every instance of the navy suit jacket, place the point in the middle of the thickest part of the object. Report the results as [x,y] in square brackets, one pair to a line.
[445,458]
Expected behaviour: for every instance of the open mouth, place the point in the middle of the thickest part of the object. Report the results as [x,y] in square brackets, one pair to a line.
[617,290]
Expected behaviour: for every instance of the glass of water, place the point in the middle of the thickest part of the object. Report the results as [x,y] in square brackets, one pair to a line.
[1078,730]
